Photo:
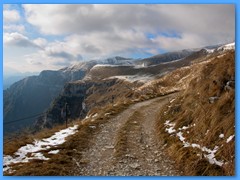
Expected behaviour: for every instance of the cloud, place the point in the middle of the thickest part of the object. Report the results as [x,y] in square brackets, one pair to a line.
[10,16]
[47,55]
[14,28]
[64,50]
[67,34]
[40,42]
[46,59]
[211,23]
[17,39]
[61,54]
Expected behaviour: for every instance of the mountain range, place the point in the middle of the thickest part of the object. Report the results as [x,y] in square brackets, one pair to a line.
[47,93]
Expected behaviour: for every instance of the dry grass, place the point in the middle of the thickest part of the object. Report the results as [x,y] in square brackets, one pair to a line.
[14,142]
[210,119]
[121,147]
[63,163]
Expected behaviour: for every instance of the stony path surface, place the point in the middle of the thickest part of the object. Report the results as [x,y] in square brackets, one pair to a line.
[142,155]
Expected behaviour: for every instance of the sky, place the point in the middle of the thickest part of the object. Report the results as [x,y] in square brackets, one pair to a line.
[37,37]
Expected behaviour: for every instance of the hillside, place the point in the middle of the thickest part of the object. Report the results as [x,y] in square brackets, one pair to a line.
[34,97]
[180,122]
[198,126]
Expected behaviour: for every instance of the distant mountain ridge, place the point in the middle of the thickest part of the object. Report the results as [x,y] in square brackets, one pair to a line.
[35,94]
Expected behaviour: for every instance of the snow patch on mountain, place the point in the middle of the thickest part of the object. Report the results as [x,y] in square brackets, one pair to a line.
[107,65]
[134,78]
[32,151]
[209,154]
[230,46]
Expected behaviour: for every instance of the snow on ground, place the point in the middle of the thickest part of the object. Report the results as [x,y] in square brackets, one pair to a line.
[230,138]
[53,151]
[31,151]
[109,65]
[226,47]
[209,50]
[221,136]
[134,78]
[172,100]
[207,153]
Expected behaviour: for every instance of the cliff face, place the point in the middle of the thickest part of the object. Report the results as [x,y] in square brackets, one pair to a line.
[83,97]
[33,95]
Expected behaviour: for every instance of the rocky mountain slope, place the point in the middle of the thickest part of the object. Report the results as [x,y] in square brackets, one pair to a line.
[104,83]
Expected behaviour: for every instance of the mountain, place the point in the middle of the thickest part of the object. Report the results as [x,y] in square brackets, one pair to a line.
[48,92]
[182,121]
[104,81]
[9,79]
[166,57]
[33,95]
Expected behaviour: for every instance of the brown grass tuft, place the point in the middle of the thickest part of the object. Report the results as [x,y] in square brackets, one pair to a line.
[207,119]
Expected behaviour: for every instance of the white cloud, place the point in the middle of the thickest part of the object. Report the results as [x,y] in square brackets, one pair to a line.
[210,23]
[10,16]
[41,42]
[14,28]
[99,31]
[185,41]
[17,39]
[98,45]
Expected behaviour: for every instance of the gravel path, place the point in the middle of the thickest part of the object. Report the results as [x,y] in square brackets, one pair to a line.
[142,156]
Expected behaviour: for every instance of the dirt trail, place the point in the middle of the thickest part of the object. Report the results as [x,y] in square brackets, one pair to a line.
[127,145]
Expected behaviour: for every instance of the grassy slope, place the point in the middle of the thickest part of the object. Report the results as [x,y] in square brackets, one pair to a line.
[191,107]
[62,163]
[210,119]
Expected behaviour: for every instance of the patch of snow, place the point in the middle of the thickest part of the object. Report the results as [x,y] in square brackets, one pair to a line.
[170,62]
[213,99]
[221,136]
[134,78]
[179,134]
[95,115]
[206,132]
[208,153]
[172,100]
[209,50]
[230,138]
[38,145]
[196,146]
[38,156]
[184,127]
[167,123]
[108,65]
[170,126]
[53,151]
[227,47]
[92,127]
[170,130]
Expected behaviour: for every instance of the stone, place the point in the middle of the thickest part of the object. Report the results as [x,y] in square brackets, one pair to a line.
[92,127]
[134,165]
[109,147]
